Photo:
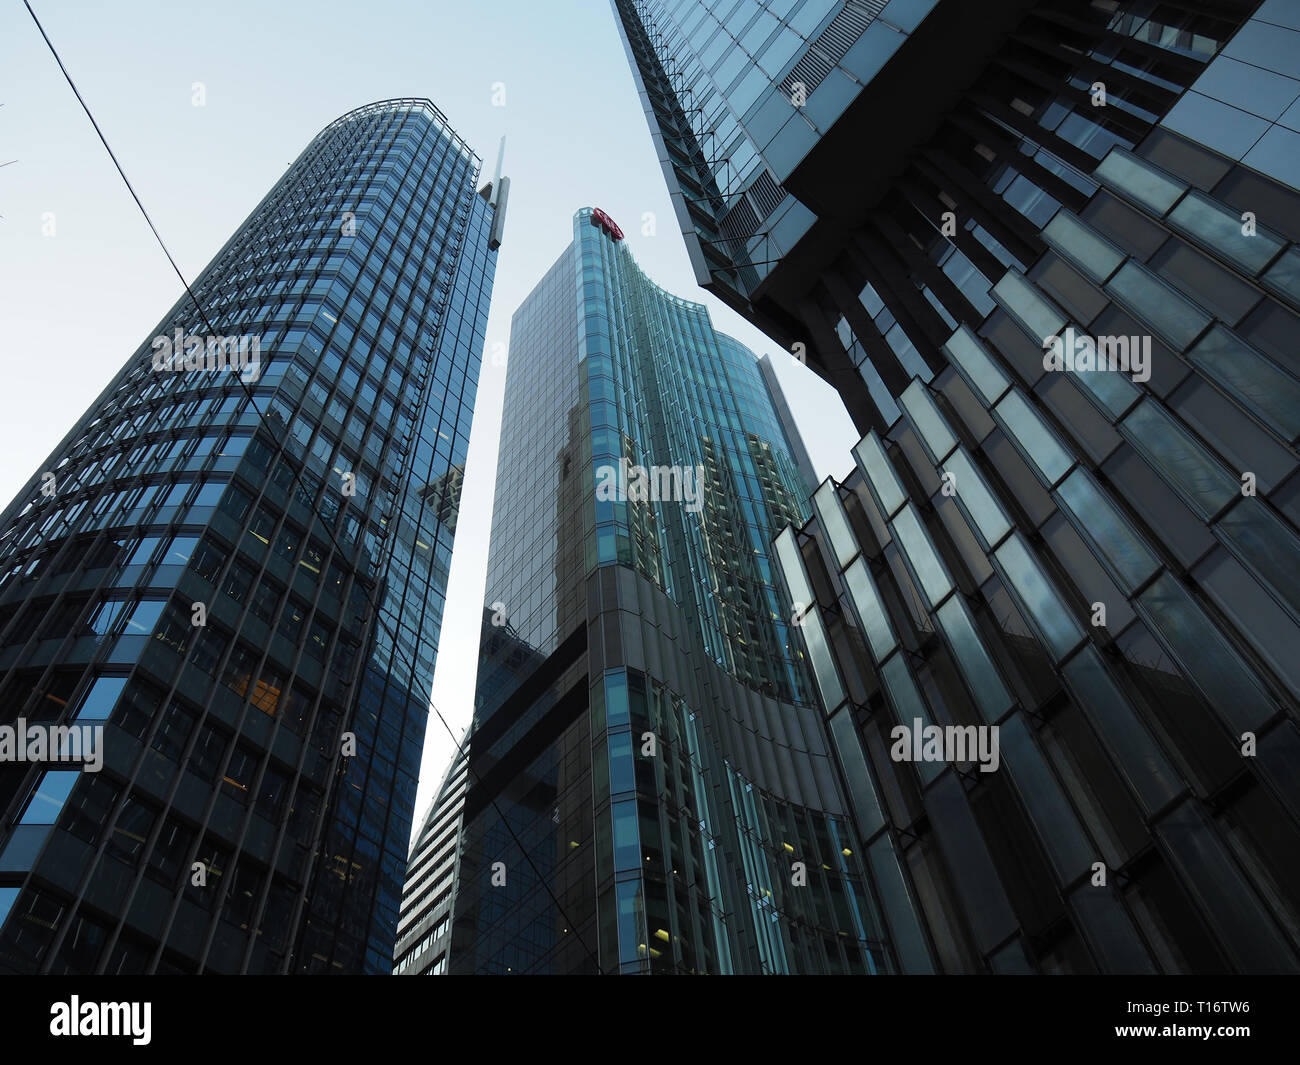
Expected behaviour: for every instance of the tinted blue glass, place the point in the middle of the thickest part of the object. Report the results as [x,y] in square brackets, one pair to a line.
[47,801]
[1222,230]
[1061,632]
[1139,180]
[981,676]
[8,895]
[1262,386]
[1178,320]
[1058,827]
[1205,655]
[1112,537]
[99,701]
[1186,464]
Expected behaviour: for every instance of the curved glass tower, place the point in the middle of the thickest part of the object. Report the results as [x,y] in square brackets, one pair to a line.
[1061,299]
[236,576]
[649,788]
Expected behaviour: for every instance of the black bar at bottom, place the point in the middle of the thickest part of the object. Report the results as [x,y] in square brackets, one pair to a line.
[233,1016]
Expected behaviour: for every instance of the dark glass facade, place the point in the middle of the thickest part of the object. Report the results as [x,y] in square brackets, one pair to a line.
[1095,561]
[241,579]
[650,788]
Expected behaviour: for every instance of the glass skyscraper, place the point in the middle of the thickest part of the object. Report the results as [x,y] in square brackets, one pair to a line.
[650,788]
[239,575]
[1048,253]
[429,898]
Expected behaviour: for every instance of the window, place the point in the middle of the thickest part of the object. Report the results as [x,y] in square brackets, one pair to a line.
[1284,276]
[135,710]
[291,620]
[216,860]
[1024,302]
[238,582]
[239,668]
[209,646]
[261,525]
[1060,631]
[98,702]
[143,551]
[266,597]
[1186,465]
[209,494]
[1178,320]
[286,544]
[238,780]
[206,560]
[1073,239]
[143,617]
[921,553]
[167,858]
[174,732]
[177,493]
[1125,555]
[928,420]
[233,447]
[1139,180]
[313,559]
[1266,544]
[1265,390]
[87,810]
[131,831]
[1057,824]
[208,751]
[1205,655]
[973,494]
[105,616]
[271,794]
[48,798]
[1219,229]
[176,630]
[1214,288]
[318,639]
[977,667]
[1036,442]
[873,460]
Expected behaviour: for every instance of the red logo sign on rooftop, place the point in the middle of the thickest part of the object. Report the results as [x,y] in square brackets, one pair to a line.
[600,218]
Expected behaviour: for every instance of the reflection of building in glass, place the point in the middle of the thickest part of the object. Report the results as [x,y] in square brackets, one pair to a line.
[292,517]
[1102,563]
[443,495]
[650,790]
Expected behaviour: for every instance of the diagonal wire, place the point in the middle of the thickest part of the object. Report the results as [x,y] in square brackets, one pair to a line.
[379,616]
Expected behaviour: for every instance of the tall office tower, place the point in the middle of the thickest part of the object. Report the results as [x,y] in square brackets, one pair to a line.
[649,787]
[239,576]
[430,894]
[1047,253]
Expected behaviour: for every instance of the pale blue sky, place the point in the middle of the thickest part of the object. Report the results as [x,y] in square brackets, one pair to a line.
[73,306]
